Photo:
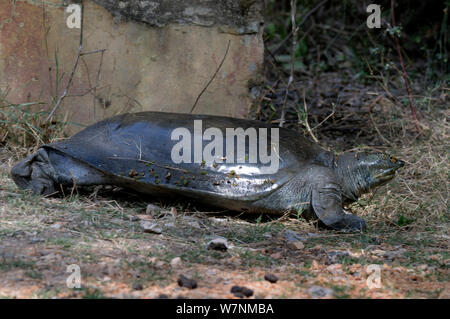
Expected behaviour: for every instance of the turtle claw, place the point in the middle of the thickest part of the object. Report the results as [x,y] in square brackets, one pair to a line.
[350,224]
[353,223]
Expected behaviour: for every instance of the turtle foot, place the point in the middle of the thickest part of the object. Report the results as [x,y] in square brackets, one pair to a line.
[349,224]
[353,223]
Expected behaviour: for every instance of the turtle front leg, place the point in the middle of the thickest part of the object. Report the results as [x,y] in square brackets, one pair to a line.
[326,202]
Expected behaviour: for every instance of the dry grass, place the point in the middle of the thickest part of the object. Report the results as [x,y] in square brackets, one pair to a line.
[408,236]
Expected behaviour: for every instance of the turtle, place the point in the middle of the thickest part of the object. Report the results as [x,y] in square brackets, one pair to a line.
[142,152]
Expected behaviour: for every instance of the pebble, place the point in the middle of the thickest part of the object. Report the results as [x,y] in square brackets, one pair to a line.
[318,292]
[34,240]
[271,278]
[184,281]
[296,245]
[134,218]
[149,227]
[290,235]
[137,286]
[219,243]
[152,209]
[241,291]
[176,262]
[55,226]
[333,257]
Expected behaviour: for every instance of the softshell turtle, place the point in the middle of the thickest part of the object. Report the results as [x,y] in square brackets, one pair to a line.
[145,152]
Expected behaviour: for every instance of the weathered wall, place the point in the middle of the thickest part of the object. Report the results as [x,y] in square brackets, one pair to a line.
[159,58]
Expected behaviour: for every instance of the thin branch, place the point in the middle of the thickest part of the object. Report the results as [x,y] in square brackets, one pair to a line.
[306,119]
[302,20]
[291,75]
[405,78]
[80,48]
[212,78]
[149,162]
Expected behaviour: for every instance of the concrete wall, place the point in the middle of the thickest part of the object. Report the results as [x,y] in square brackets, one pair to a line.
[159,55]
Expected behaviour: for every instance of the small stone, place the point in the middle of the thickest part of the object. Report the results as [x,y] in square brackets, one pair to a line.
[240,291]
[34,240]
[320,292]
[149,227]
[271,278]
[134,218]
[55,226]
[335,269]
[267,235]
[422,267]
[137,286]
[296,245]
[152,209]
[176,262]
[219,243]
[290,235]
[276,255]
[184,281]
[333,257]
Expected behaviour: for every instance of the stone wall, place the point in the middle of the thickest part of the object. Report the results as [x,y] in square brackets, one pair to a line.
[159,55]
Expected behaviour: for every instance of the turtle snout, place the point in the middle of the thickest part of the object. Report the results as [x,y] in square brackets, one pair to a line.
[396,162]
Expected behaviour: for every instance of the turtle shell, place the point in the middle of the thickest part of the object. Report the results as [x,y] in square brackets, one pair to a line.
[136,150]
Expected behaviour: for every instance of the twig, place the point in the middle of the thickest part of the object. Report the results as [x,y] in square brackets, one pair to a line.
[302,20]
[151,163]
[325,119]
[291,74]
[80,48]
[212,78]
[306,120]
[405,78]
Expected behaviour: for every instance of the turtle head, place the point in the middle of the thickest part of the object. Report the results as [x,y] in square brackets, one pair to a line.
[361,172]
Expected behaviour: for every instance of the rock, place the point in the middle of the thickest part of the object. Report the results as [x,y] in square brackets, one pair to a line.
[391,255]
[271,278]
[335,269]
[334,257]
[276,255]
[267,235]
[163,296]
[137,286]
[218,243]
[34,240]
[241,291]
[176,262]
[157,263]
[55,226]
[290,235]
[315,265]
[149,227]
[295,245]
[320,292]
[184,281]
[152,210]
[190,221]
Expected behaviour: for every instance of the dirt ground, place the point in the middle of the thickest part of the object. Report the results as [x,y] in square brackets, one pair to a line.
[101,232]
